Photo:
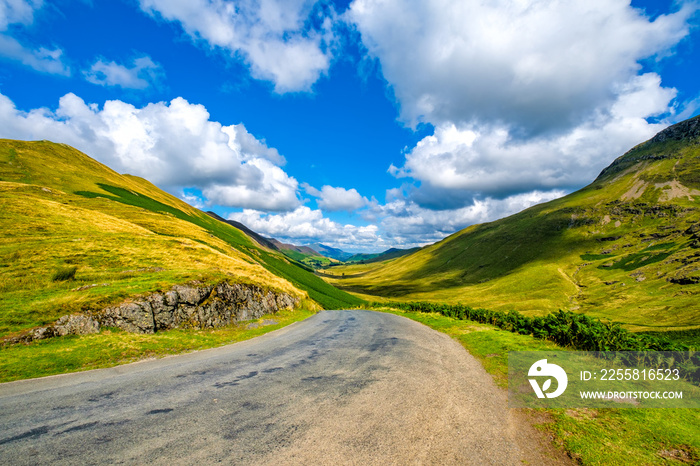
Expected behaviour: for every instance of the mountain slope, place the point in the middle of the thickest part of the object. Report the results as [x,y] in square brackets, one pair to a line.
[261,240]
[77,235]
[389,254]
[624,247]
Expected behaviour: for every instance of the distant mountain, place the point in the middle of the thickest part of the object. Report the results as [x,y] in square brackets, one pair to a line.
[328,251]
[303,254]
[626,247]
[389,254]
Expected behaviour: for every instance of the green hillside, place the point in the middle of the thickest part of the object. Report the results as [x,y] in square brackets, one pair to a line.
[389,254]
[76,235]
[626,247]
[314,261]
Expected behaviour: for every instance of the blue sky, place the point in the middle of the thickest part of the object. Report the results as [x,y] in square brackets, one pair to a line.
[363,125]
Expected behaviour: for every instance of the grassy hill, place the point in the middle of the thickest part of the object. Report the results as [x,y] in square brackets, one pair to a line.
[69,222]
[626,247]
[389,254]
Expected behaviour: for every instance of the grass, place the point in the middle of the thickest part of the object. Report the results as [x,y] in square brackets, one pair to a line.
[608,250]
[64,273]
[689,338]
[593,437]
[69,222]
[320,291]
[314,261]
[113,347]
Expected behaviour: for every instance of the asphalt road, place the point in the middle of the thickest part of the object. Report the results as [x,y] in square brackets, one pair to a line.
[342,387]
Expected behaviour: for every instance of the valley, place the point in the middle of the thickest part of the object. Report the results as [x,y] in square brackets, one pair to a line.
[625,248]
[80,240]
[358,232]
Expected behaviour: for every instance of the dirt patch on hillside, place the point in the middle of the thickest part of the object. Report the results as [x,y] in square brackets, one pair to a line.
[636,191]
[674,189]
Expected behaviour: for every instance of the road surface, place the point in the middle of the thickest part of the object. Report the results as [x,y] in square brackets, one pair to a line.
[342,387]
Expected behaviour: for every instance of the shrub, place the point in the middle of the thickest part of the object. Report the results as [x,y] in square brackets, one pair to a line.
[567,329]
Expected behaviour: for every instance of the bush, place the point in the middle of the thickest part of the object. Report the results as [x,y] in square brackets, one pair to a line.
[565,328]
[64,273]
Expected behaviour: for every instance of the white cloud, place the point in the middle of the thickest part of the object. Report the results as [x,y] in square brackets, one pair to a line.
[193,200]
[400,223]
[175,145]
[144,72]
[333,199]
[276,38]
[304,225]
[472,159]
[524,95]
[17,12]
[535,65]
[253,147]
[406,224]
[268,188]
[42,59]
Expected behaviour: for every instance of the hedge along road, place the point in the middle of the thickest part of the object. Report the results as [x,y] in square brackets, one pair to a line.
[341,387]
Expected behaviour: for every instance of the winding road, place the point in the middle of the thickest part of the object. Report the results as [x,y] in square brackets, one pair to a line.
[342,387]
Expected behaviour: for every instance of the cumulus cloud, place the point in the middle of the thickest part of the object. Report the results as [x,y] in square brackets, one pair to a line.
[406,224]
[175,145]
[285,42]
[333,199]
[304,225]
[455,163]
[144,72]
[252,146]
[524,95]
[193,200]
[399,223]
[42,59]
[532,64]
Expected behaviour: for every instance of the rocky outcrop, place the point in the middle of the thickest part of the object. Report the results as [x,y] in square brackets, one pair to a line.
[76,325]
[184,306]
[684,131]
[195,307]
[687,131]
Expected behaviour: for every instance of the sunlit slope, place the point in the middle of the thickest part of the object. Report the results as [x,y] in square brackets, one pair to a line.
[626,247]
[61,210]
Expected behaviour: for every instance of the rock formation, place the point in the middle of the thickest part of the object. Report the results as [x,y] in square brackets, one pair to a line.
[184,306]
